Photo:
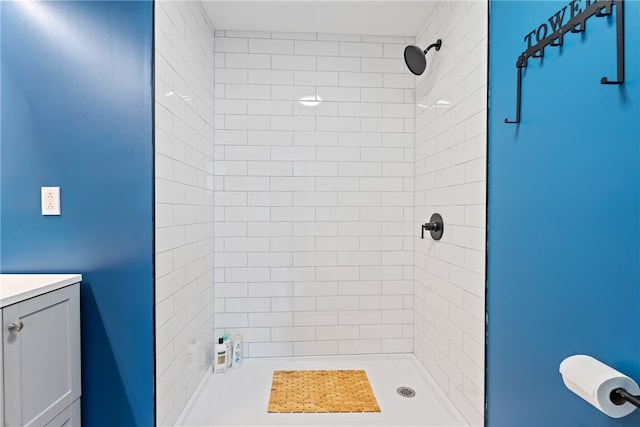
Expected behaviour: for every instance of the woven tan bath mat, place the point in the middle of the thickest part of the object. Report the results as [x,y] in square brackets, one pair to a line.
[322,391]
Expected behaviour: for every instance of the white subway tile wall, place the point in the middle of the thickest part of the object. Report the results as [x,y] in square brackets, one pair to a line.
[450,178]
[314,155]
[184,181]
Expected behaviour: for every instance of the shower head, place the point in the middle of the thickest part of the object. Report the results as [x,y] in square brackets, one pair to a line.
[415,57]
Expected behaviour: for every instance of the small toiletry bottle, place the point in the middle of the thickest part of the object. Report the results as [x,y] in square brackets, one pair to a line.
[220,362]
[236,360]
[227,342]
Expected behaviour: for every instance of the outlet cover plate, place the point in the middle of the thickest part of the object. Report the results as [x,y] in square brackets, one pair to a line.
[50,200]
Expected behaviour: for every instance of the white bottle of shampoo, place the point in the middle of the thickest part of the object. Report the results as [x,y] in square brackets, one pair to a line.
[227,342]
[237,352]
[220,362]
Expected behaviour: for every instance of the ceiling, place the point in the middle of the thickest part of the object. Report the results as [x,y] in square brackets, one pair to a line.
[389,18]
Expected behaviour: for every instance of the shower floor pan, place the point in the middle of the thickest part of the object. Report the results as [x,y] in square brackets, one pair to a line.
[241,396]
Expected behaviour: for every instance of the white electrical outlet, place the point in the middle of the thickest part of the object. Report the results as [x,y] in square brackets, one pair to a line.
[50,200]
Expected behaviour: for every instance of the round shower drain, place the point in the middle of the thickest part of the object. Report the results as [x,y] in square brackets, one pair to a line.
[406,391]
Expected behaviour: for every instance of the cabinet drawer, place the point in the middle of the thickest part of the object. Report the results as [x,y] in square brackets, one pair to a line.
[41,340]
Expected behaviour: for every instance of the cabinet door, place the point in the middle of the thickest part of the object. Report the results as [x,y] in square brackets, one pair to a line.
[41,357]
[1,382]
[70,417]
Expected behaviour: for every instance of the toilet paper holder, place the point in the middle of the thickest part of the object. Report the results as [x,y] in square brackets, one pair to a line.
[608,390]
[619,396]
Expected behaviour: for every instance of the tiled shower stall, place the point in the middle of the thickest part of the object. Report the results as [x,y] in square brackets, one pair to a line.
[314,193]
[293,172]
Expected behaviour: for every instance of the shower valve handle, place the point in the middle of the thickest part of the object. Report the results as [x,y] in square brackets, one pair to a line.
[435,226]
[429,226]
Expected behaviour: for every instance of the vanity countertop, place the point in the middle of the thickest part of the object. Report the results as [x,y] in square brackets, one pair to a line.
[19,287]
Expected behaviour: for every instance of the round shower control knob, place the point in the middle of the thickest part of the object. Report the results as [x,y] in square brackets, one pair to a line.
[435,226]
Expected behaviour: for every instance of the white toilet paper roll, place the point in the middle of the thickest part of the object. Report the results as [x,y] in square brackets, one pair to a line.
[594,381]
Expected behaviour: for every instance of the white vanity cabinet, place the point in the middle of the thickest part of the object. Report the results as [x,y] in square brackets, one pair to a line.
[41,352]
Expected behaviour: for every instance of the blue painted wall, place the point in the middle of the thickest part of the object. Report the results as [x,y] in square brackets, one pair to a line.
[76,106]
[563,216]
